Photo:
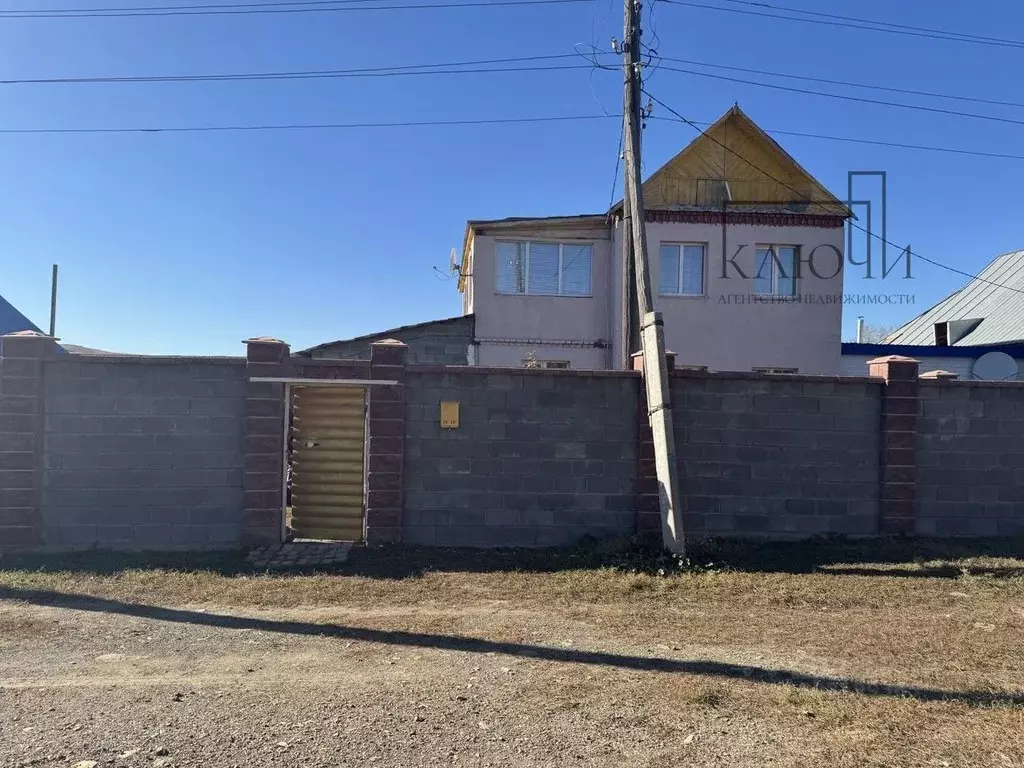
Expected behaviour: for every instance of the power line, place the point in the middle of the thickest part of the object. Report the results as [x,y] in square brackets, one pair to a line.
[910,27]
[877,143]
[801,195]
[394,71]
[847,83]
[615,176]
[843,97]
[410,69]
[313,126]
[186,7]
[274,9]
[949,36]
[415,69]
[427,123]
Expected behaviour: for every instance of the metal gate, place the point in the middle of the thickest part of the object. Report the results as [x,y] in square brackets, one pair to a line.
[327,438]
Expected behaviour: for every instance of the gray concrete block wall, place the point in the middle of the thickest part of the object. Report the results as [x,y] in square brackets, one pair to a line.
[771,457]
[443,343]
[143,455]
[970,459]
[539,458]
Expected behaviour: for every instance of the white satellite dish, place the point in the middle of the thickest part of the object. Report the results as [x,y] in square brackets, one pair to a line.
[995,366]
[453,266]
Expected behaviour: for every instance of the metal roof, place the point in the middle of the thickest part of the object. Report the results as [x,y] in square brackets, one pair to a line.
[12,321]
[385,334]
[995,297]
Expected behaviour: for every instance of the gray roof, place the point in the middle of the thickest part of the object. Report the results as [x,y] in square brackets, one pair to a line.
[990,298]
[12,321]
[390,332]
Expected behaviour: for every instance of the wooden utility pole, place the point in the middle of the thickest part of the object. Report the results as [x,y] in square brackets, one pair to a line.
[652,335]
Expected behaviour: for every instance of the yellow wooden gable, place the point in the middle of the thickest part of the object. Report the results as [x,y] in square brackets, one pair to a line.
[735,160]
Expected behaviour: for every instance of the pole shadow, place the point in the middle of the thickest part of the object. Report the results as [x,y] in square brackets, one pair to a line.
[714,669]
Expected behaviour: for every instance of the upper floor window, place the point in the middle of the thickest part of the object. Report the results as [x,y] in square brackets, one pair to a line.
[681,270]
[775,270]
[543,269]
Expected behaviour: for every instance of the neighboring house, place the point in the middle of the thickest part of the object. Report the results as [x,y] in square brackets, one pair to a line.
[733,223]
[988,310]
[976,332]
[12,321]
[439,342]
[998,362]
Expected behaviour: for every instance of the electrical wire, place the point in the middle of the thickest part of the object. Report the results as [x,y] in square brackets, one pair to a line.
[306,75]
[395,71]
[618,164]
[297,74]
[948,36]
[801,196]
[876,22]
[844,97]
[847,83]
[311,126]
[329,126]
[272,9]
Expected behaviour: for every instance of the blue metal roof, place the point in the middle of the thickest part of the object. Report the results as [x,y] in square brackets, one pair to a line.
[930,350]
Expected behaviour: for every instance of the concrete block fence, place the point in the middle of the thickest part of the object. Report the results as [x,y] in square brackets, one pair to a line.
[188,452]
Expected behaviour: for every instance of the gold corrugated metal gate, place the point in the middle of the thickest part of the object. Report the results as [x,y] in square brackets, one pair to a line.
[328,430]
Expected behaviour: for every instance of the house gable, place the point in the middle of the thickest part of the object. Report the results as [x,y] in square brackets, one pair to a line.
[736,161]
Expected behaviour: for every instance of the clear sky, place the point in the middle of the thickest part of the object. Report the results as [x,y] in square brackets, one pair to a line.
[190,242]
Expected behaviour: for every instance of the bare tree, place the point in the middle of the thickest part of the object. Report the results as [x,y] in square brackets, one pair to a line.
[876,334]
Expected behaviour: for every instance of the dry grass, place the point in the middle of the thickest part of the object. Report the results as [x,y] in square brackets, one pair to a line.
[929,638]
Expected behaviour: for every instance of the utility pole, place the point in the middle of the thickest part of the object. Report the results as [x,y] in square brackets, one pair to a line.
[53,302]
[652,333]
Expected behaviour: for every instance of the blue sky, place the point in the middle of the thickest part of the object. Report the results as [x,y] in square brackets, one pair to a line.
[190,242]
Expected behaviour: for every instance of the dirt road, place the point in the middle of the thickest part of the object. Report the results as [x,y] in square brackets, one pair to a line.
[391,676]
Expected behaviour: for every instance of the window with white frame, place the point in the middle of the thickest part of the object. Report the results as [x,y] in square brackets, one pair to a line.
[543,269]
[681,269]
[775,270]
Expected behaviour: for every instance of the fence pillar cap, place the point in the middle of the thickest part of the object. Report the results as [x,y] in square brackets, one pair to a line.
[892,359]
[390,343]
[944,375]
[638,360]
[263,340]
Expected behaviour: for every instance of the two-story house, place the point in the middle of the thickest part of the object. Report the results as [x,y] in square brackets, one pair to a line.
[746,255]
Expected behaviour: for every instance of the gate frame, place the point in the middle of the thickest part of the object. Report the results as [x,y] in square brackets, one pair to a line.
[271,373]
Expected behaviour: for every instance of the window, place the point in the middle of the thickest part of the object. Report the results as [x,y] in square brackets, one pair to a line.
[543,269]
[775,370]
[775,270]
[681,270]
[532,362]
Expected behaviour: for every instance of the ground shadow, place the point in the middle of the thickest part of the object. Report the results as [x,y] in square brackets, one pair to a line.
[714,669]
[913,558]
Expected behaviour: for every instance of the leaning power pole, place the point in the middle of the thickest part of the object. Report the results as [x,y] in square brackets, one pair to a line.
[652,334]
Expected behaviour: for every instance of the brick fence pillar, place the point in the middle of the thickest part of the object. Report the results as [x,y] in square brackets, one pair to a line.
[898,492]
[21,436]
[648,503]
[264,442]
[385,443]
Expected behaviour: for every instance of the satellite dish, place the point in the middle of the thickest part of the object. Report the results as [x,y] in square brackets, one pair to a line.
[995,366]
[453,266]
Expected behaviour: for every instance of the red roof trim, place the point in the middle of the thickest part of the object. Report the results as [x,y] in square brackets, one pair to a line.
[747,217]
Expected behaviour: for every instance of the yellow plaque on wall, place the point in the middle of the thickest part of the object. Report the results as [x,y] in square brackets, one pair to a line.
[450,415]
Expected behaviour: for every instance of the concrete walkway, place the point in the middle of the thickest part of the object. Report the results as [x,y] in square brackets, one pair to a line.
[301,553]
